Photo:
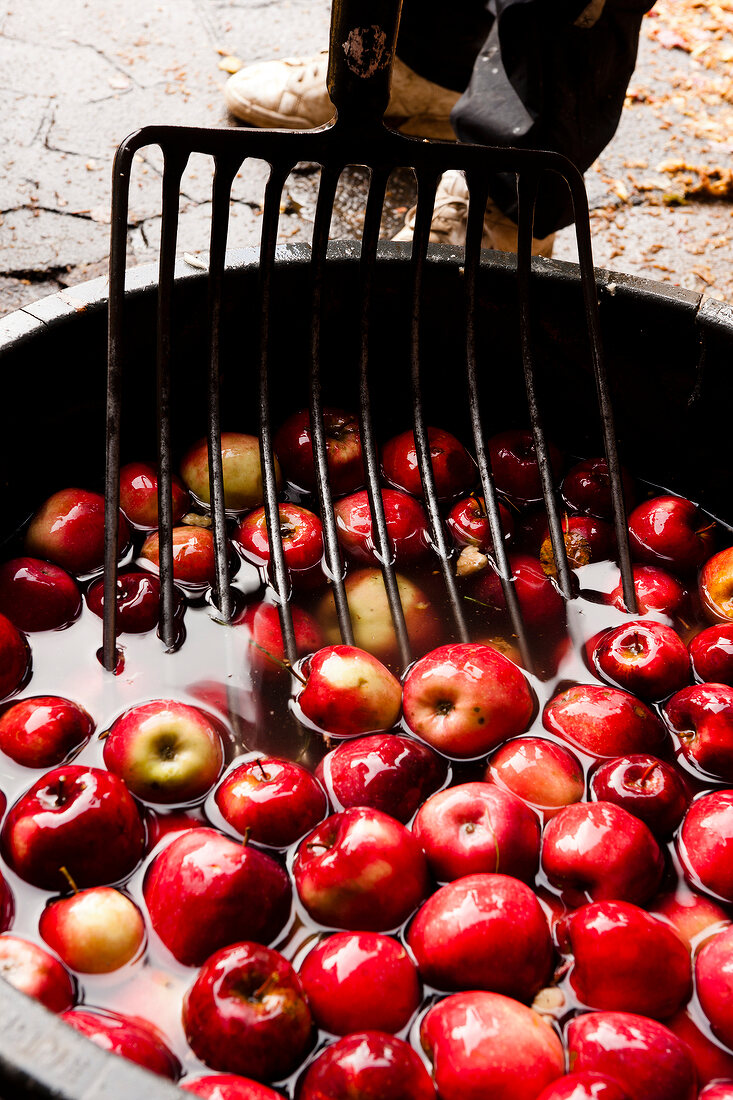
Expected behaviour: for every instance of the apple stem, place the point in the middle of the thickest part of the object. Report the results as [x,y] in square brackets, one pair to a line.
[264,774]
[278,661]
[266,986]
[101,736]
[245,838]
[643,779]
[69,879]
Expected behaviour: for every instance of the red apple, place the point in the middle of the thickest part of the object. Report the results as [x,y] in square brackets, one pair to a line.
[36,973]
[597,851]
[7,902]
[690,914]
[161,823]
[138,602]
[204,891]
[367,1066]
[294,445]
[603,721]
[139,495]
[240,456]
[360,981]
[584,1086]
[711,652]
[468,523]
[714,984]
[541,605]
[711,1060]
[706,843]
[228,1086]
[543,774]
[656,590]
[514,464]
[647,787]
[483,932]
[454,470]
[79,818]
[247,1013]
[44,730]
[271,801]
[716,585]
[478,827]
[717,1090]
[128,1036]
[69,530]
[193,555]
[466,698]
[625,959]
[302,539]
[702,718]
[486,1045]
[15,659]
[349,692]
[646,658]
[372,620]
[386,771]
[94,931]
[360,869]
[646,1059]
[165,751]
[267,649]
[37,595]
[586,540]
[587,488]
[672,532]
[405,519]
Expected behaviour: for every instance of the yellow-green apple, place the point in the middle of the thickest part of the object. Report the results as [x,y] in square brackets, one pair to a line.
[94,931]
[240,458]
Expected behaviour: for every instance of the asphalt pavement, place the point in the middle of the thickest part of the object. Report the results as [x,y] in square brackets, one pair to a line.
[77,77]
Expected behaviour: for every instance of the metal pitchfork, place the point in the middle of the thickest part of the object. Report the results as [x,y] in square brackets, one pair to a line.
[362,48]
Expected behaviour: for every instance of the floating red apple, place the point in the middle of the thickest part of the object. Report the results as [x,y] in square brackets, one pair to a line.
[656,590]
[271,801]
[405,520]
[15,658]
[706,843]
[459,1036]
[36,973]
[646,658]
[587,488]
[69,530]
[193,555]
[625,959]
[465,698]
[79,818]
[360,869]
[365,1066]
[360,981]
[646,1059]
[204,891]
[38,595]
[228,1086]
[478,827]
[138,602]
[603,722]
[600,852]
[302,538]
[702,718]
[514,464]
[483,931]
[349,692]
[711,652]
[139,495]
[247,1013]
[468,522]
[672,532]
[266,651]
[647,787]
[545,775]
[128,1036]
[454,471]
[44,730]
[386,771]
[294,445]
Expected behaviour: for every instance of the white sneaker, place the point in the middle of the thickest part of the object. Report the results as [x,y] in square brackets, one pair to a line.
[291,93]
[450,217]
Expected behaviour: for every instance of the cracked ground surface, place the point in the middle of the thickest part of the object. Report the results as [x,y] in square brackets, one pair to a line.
[77,77]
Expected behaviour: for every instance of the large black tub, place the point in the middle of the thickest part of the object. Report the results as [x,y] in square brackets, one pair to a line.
[670,362]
